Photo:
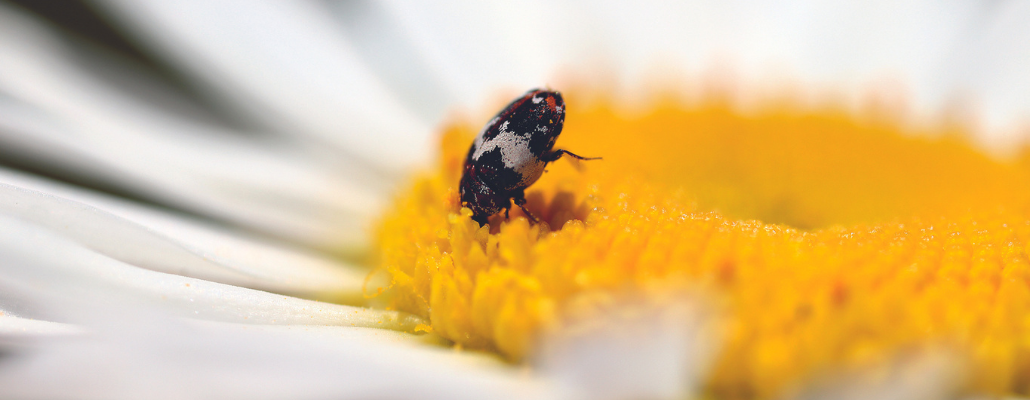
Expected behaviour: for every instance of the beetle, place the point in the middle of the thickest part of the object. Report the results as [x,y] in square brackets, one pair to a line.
[510,154]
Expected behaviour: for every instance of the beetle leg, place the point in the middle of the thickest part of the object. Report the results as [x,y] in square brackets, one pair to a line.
[555,155]
[520,200]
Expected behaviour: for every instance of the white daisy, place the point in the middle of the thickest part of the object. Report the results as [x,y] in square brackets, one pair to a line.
[150,250]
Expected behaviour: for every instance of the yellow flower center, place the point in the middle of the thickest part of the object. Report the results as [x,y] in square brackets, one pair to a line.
[832,239]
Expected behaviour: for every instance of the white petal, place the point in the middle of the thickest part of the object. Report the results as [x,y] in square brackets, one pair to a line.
[173,244]
[635,349]
[13,327]
[132,349]
[45,264]
[929,373]
[286,64]
[66,122]
[167,360]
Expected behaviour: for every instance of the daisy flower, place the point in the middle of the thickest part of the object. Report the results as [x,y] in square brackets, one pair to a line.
[232,199]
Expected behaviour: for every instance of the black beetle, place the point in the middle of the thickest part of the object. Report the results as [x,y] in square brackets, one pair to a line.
[511,152]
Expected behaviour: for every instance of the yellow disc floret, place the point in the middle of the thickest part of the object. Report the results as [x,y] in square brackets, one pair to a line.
[831,239]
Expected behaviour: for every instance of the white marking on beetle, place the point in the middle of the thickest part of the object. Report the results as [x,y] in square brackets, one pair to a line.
[537,100]
[479,138]
[515,154]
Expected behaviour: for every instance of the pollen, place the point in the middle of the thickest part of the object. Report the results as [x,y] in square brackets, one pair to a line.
[831,238]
